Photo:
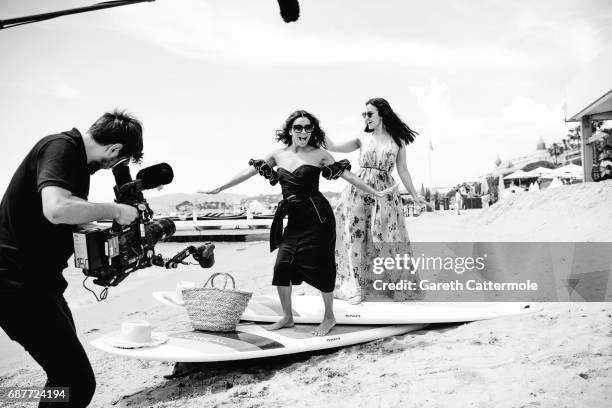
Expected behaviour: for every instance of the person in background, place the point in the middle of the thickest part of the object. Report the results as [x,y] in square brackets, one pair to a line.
[458,201]
[464,195]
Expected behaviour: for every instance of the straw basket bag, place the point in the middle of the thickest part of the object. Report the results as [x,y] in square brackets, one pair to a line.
[215,309]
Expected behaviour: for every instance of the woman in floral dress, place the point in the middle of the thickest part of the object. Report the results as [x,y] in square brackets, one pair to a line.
[369,227]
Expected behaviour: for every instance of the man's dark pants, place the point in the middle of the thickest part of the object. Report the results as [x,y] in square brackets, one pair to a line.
[42,323]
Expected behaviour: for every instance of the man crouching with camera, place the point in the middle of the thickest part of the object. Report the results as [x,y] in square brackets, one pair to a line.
[45,199]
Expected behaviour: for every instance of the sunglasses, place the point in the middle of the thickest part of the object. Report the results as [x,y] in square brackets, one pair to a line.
[306,128]
[367,114]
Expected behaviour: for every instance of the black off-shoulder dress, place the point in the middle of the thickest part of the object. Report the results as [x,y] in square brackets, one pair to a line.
[306,246]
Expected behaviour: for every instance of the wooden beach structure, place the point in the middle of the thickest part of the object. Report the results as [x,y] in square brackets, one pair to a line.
[234,229]
[588,99]
[239,229]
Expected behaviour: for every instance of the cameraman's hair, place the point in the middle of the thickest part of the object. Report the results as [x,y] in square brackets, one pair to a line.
[119,127]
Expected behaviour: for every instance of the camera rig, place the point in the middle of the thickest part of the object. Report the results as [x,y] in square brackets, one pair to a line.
[110,254]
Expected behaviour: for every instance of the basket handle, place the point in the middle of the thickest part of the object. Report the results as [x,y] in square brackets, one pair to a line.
[212,277]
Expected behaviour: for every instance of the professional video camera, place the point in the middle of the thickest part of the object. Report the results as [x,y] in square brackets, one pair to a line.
[110,254]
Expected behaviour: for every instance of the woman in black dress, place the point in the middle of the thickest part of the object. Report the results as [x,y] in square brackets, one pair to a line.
[306,246]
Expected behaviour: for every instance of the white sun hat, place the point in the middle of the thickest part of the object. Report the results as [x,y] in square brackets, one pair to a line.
[174,298]
[136,334]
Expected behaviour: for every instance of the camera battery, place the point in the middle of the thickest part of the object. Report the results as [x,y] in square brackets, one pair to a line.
[89,247]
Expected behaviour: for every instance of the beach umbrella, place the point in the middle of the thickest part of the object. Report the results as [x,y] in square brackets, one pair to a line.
[574,170]
[517,175]
[539,171]
[568,171]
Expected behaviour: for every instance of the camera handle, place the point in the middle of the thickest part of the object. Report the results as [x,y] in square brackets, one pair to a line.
[203,254]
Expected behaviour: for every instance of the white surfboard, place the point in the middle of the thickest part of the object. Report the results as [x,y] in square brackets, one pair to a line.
[251,340]
[309,309]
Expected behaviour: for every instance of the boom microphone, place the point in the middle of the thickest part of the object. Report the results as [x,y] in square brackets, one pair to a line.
[146,179]
[155,176]
[289,10]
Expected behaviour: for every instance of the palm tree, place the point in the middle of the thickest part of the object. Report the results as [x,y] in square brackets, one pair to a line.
[555,150]
[565,145]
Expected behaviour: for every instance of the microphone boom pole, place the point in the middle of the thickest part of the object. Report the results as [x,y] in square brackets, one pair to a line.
[13,22]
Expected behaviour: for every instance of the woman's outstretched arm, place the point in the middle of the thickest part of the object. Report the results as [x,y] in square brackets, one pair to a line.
[353,179]
[402,170]
[241,176]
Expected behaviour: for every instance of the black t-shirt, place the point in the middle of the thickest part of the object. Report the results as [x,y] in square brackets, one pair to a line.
[33,251]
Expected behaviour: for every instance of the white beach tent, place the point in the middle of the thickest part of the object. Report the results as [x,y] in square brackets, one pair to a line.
[534,186]
[555,183]
[484,186]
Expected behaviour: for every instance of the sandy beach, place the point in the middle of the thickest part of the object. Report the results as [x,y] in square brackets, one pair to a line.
[558,357]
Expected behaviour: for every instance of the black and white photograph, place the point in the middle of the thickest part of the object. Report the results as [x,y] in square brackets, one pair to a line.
[300,203]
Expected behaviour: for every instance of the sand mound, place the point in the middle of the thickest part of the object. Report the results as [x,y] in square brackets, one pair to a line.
[578,212]
[573,213]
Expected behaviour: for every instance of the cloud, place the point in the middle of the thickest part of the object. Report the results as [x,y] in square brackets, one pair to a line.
[55,85]
[59,87]
[433,100]
[524,111]
[466,146]
[580,33]
[225,34]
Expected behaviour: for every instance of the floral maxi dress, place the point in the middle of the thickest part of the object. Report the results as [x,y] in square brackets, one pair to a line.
[368,227]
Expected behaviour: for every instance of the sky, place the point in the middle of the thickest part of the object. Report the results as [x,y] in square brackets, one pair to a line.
[212,80]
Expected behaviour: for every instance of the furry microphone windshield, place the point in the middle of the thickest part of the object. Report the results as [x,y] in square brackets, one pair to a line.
[289,10]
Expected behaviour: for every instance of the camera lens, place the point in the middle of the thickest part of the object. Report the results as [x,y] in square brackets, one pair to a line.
[159,229]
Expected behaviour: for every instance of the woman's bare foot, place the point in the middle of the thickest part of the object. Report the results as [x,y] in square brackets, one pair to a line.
[286,321]
[354,300]
[325,326]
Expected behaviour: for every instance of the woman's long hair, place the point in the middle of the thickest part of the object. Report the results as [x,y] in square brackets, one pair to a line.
[399,131]
[317,137]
